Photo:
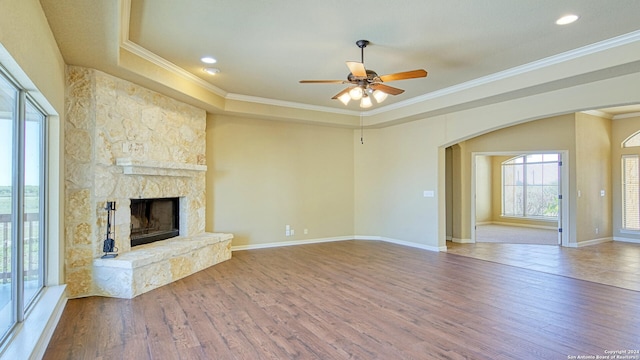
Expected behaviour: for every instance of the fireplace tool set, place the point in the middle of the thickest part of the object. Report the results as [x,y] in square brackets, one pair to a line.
[109,246]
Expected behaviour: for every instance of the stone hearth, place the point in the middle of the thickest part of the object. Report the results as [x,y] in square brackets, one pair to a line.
[152,265]
[124,142]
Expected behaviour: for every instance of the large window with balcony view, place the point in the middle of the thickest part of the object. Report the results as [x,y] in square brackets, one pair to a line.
[530,186]
[22,241]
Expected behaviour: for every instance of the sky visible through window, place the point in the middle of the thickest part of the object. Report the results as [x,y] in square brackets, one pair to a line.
[6,146]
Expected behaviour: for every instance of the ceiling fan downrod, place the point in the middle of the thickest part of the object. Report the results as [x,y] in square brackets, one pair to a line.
[362,44]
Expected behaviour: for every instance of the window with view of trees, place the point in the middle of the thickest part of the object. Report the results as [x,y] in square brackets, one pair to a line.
[22,242]
[530,186]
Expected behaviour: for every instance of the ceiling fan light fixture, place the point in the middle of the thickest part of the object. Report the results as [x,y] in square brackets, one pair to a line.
[380,96]
[366,102]
[356,93]
[344,98]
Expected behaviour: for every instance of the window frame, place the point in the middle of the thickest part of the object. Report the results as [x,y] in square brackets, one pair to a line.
[21,306]
[624,225]
[522,160]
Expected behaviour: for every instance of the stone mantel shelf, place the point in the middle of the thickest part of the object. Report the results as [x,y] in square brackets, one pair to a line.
[158,168]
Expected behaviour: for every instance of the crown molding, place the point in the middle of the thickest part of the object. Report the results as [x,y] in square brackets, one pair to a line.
[169,66]
[598,113]
[289,104]
[125,19]
[125,43]
[626,116]
[604,45]
[606,115]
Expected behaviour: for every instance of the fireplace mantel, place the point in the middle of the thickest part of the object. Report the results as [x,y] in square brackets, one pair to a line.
[126,142]
[158,168]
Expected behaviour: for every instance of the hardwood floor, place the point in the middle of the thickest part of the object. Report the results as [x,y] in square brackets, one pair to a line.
[507,234]
[612,263]
[354,300]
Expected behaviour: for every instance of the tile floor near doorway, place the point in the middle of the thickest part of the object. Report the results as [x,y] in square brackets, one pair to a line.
[612,263]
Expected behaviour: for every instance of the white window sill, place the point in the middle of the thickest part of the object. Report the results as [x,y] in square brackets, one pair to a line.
[30,338]
[530,218]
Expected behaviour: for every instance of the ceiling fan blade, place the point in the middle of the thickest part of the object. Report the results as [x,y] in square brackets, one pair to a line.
[404,75]
[386,89]
[322,81]
[357,69]
[342,92]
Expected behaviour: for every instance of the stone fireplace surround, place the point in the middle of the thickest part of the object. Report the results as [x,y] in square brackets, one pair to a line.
[123,141]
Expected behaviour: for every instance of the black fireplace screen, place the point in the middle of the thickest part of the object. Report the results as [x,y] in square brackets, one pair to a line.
[154,220]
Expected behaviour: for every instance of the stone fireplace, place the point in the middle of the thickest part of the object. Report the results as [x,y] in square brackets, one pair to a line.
[124,143]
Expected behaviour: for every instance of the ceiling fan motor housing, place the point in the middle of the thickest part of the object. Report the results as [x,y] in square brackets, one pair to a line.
[371,77]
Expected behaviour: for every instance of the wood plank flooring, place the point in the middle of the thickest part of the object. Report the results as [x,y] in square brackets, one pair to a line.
[354,300]
[613,263]
[508,234]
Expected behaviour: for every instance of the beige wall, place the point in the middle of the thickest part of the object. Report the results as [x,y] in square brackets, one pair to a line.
[593,161]
[263,175]
[552,134]
[484,190]
[394,167]
[587,140]
[620,130]
[30,53]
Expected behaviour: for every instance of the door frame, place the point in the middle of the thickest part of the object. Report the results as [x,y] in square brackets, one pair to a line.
[563,214]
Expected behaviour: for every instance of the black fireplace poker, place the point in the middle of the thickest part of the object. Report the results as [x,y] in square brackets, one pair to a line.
[109,247]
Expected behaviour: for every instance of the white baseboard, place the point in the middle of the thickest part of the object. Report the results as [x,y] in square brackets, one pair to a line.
[462,241]
[554,227]
[337,238]
[289,243]
[31,337]
[401,242]
[590,242]
[624,239]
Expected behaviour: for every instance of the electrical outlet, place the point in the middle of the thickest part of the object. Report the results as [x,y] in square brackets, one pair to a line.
[293,232]
[597,230]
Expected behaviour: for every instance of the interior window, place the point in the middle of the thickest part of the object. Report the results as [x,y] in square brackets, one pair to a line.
[530,186]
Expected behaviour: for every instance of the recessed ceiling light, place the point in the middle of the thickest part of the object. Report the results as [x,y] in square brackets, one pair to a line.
[567,19]
[208,60]
[211,71]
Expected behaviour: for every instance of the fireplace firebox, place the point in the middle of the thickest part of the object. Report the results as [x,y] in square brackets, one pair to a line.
[154,220]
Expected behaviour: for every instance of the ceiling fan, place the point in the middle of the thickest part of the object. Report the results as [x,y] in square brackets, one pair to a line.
[365,84]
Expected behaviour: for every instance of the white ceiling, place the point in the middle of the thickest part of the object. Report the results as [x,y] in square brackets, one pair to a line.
[264,47]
